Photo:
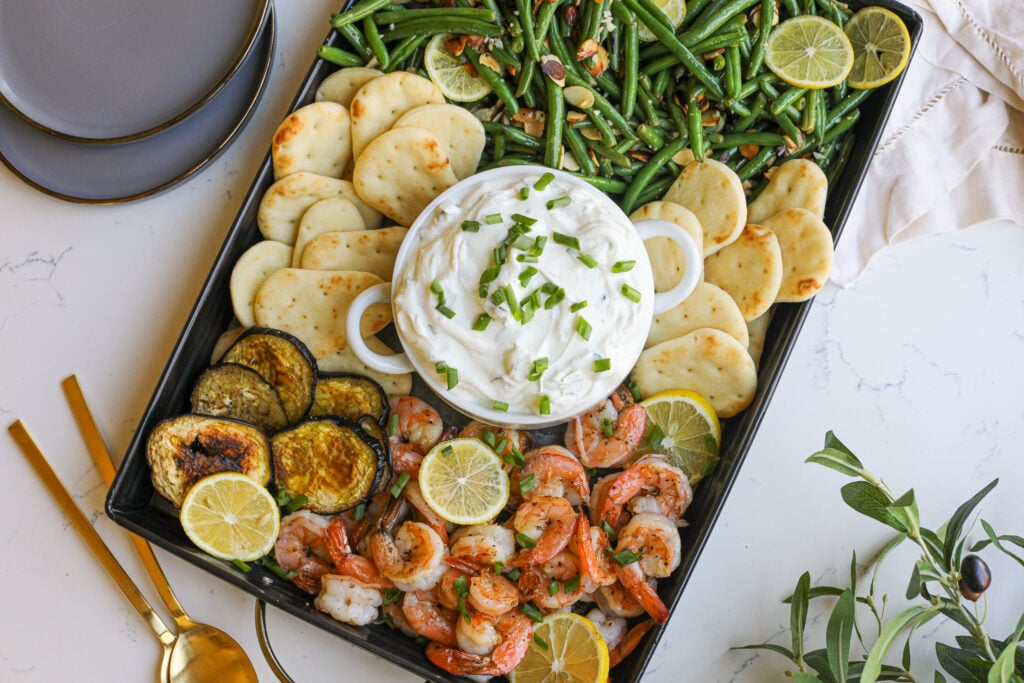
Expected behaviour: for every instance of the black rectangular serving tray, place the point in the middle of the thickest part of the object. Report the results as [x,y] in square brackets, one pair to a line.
[133,504]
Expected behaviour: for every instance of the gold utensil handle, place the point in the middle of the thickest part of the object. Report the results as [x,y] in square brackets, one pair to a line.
[98,449]
[88,533]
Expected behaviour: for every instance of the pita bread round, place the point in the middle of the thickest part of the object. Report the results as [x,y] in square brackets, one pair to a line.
[373,251]
[284,203]
[333,214]
[749,269]
[254,266]
[707,306]
[807,253]
[342,85]
[461,134]
[382,101]
[714,193]
[667,260]
[315,138]
[796,184]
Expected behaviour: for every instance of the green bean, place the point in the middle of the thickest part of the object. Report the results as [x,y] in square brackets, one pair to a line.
[676,113]
[609,185]
[525,9]
[404,50]
[397,16]
[514,134]
[505,57]
[791,7]
[510,160]
[754,85]
[759,139]
[709,22]
[790,129]
[609,153]
[820,115]
[602,126]
[767,86]
[648,102]
[744,122]
[357,12]
[603,105]
[693,8]
[554,125]
[631,65]
[578,147]
[845,106]
[355,38]
[651,135]
[498,146]
[763,31]
[660,84]
[606,168]
[657,13]
[844,124]
[809,114]
[655,190]
[493,79]
[839,162]
[544,18]
[756,163]
[607,82]
[525,77]
[561,50]
[733,78]
[736,25]
[335,55]
[593,16]
[375,43]
[736,107]
[787,99]
[653,165]
[432,26]
[670,41]
[694,125]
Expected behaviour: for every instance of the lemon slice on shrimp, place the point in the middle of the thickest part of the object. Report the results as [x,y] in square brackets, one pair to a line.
[463,481]
[231,516]
[565,647]
[683,426]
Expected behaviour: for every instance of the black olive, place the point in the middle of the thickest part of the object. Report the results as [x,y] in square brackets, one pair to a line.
[975,577]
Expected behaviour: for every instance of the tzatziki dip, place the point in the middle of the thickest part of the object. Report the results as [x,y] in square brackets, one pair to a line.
[529,296]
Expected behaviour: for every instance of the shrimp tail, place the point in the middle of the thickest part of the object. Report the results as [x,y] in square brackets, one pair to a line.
[632,579]
[629,642]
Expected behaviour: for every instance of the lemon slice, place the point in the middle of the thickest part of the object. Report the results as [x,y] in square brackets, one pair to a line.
[809,52]
[689,428]
[450,75]
[566,647]
[881,47]
[463,481]
[231,516]
[675,10]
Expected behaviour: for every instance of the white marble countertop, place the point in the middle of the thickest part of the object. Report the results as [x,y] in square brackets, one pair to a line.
[917,367]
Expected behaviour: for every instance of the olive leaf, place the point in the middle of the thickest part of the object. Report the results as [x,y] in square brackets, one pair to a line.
[868,500]
[904,509]
[798,614]
[909,618]
[837,460]
[771,647]
[955,525]
[804,677]
[939,678]
[935,547]
[997,542]
[838,632]
[963,665]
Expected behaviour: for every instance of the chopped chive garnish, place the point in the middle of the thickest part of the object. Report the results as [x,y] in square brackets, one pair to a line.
[549,288]
[609,531]
[522,243]
[359,512]
[602,364]
[510,299]
[555,299]
[440,367]
[461,586]
[587,260]
[560,202]
[500,254]
[518,459]
[553,588]
[537,369]
[607,427]
[538,245]
[623,266]
[527,258]
[513,574]
[489,438]
[452,377]
[626,557]
[566,240]
[492,218]
[471,226]
[500,406]
[525,541]
[579,305]
[502,444]
[530,610]
[528,272]
[499,567]
[389,621]
[445,311]
[630,293]
[524,193]
[241,566]
[391,595]
[446,451]
[572,585]
[526,484]
[399,485]
[296,503]
[273,566]
[523,220]
[498,298]
[393,425]
[541,643]
[634,389]
[543,181]
[545,404]
[482,321]
[655,438]
[435,287]
[490,275]
[583,328]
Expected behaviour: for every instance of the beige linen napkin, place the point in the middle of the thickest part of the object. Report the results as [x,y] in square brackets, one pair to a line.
[952,153]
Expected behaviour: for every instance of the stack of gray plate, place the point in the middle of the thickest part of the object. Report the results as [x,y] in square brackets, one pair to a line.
[110,101]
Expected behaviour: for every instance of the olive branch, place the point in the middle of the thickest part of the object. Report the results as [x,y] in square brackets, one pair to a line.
[943,577]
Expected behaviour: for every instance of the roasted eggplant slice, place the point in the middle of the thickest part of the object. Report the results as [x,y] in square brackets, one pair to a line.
[375,431]
[330,461]
[349,396]
[283,361]
[233,390]
[183,450]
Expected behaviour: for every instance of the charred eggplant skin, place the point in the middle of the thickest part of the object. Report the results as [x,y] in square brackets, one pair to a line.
[283,361]
[350,396]
[331,461]
[184,449]
[239,392]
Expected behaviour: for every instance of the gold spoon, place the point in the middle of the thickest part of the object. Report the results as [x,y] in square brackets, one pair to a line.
[201,652]
[95,543]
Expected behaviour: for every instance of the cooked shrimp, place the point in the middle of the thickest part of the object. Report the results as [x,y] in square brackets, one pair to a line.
[547,582]
[549,522]
[485,544]
[514,440]
[395,618]
[552,471]
[608,433]
[347,563]
[616,600]
[655,540]
[666,487]
[598,494]
[415,422]
[413,558]
[490,646]
[628,643]
[424,512]
[406,457]
[612,628]
[429,618]
[302,549]
[486,591]
[593,550]
[347,599]
[358,529]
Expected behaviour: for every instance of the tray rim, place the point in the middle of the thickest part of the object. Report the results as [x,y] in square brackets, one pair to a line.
[783,333]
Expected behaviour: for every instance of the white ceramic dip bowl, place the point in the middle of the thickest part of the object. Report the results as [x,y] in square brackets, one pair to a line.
[523,296]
